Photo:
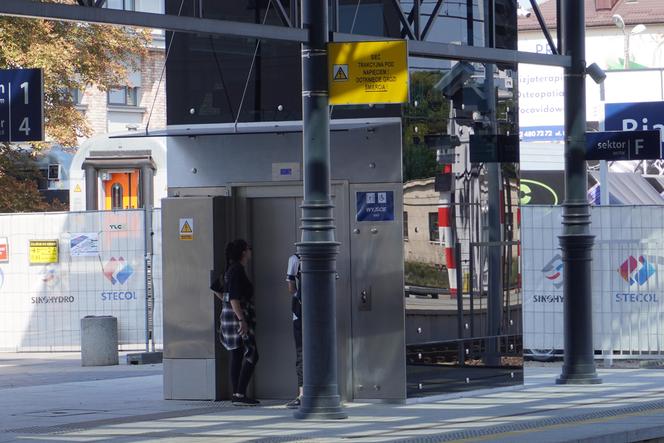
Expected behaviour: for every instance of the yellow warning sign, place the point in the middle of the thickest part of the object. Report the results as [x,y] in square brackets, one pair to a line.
[368,72]
[186,229]
[77,188]
[43,251]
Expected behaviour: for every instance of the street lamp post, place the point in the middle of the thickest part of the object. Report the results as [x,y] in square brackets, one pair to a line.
[318,247]
[576,240]
[620,23]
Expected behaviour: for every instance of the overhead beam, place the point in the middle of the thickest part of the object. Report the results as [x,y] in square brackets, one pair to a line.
[450,51]
[56,11]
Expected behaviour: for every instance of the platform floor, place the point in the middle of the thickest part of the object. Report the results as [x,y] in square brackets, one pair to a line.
[50,398]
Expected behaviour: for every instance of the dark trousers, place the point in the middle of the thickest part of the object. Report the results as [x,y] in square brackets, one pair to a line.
[297,335]
[241,371]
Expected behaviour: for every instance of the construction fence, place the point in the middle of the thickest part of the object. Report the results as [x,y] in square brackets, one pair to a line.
[56,268]
[627,280]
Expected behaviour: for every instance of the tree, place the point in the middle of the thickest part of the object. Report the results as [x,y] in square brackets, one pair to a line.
[72,56]
[427,113]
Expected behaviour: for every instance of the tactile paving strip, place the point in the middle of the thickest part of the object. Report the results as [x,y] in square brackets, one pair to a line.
[535,424]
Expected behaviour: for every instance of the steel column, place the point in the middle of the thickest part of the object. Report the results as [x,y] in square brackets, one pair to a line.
[576,241]
[91,189]
[318,248]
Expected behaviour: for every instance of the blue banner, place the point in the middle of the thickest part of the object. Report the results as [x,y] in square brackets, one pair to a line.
[375,206]
[634,116]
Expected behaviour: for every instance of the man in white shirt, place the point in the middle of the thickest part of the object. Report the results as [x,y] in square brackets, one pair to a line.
[293,278]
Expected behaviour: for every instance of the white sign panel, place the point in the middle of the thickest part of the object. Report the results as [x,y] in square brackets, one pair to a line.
[541,98]
[84,244]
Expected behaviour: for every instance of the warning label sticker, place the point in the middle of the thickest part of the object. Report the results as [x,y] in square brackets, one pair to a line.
[186,229]
[340,73]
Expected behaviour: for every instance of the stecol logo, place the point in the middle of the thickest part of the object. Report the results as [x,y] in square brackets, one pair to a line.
[117,270]
[636,272]
[553,271]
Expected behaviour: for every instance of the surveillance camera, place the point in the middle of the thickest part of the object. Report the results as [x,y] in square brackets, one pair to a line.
[453,81]
[596,73]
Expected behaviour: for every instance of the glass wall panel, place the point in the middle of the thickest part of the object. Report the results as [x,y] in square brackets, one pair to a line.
[224,80]
[463,324]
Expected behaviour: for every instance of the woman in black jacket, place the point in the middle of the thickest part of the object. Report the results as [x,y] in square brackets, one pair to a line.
[238,320]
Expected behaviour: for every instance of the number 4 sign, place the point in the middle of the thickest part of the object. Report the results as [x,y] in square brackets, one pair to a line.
[21,105]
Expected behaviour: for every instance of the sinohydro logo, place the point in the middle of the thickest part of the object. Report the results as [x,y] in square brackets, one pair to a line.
[118,271]
[553,272]
[637,272]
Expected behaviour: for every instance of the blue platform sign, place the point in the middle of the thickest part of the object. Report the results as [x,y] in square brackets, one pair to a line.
[623,145]
[638,116]
[21,105]
[375,206]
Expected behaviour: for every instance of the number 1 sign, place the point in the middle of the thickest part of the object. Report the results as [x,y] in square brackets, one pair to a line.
[21,105]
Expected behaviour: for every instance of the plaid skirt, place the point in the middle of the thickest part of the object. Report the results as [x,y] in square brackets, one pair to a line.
[231,338]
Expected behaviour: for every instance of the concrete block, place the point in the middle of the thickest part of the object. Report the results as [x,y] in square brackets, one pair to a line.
[144,358]
[99,341]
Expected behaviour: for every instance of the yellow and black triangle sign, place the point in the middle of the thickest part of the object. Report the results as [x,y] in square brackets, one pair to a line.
[340,72]
[186,229]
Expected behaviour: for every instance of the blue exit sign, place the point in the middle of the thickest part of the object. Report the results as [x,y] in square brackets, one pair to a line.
[21,105]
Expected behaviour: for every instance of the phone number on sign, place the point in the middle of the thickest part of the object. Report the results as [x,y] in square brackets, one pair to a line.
[541,133]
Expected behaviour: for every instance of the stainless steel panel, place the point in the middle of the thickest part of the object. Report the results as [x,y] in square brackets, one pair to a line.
[362,155]
[189,379]
[274,233]
[379,361]
[269,216]
[189,323]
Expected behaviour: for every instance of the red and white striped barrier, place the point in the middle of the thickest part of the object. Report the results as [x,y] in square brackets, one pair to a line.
[446,231]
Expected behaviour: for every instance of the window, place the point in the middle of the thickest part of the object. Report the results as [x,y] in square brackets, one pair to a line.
[125,96]
[127,5]
[405,225]
[76,96]
[433,226]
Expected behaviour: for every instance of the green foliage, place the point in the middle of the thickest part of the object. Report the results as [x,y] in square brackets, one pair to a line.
[425,274]
[72,56]
[18,182]
[430,116]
